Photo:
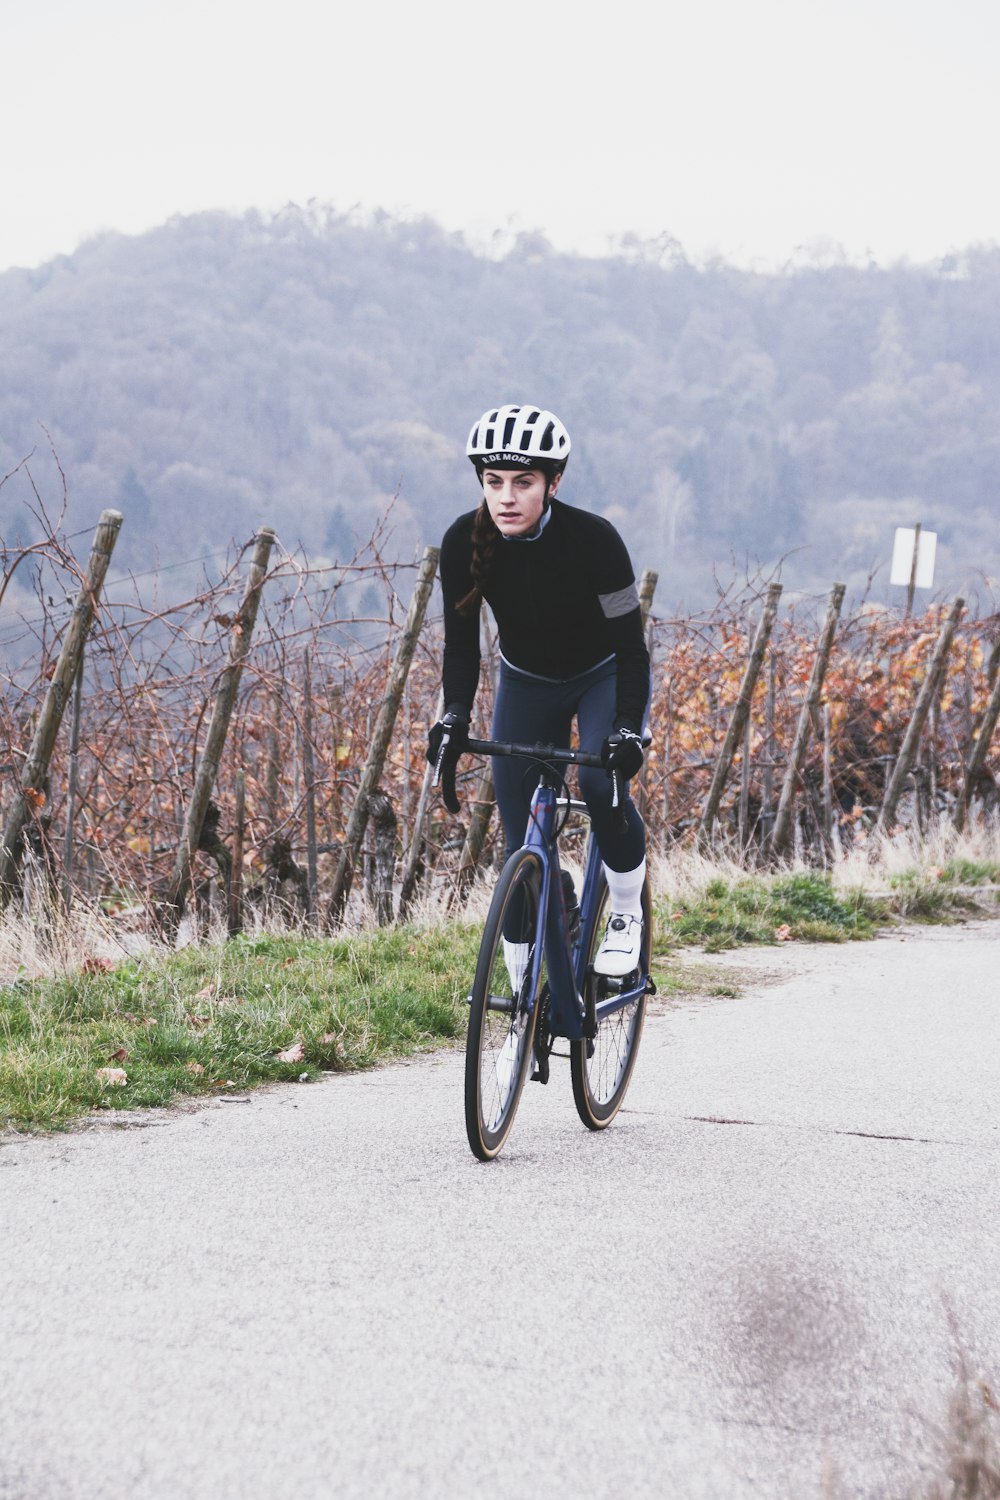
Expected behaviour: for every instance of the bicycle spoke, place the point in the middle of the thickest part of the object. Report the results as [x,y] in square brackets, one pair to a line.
[602,1067]
[502,1014]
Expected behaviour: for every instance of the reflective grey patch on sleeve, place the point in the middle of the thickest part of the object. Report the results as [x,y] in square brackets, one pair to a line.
[621,602]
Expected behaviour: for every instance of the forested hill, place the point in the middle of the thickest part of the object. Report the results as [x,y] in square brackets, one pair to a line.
[300,370]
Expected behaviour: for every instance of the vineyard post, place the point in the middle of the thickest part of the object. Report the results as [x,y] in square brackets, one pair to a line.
[783,831]
[272,763]
[236,879]
[208,765]
[933,751]
[828,816]
[647,588]
[485,799]
[993,670]
[348,854]
[479,822]
[309,782]
[335,819]
[743,817]
[73,781]
[411,860]
[383,822]
[738,718]
[668,706]
[35,769]
[977,756]
[911,739]
[404,809]
[767,794]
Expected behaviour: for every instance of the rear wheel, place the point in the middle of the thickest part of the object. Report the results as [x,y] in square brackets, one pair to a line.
[503,1012]
[601,1067]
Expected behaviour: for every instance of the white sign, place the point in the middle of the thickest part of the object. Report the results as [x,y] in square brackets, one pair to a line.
[902,557]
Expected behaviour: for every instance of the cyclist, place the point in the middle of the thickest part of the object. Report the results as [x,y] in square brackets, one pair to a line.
[562,591]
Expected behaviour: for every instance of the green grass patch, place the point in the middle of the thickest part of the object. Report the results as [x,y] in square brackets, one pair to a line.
[204,1021]
[937,895]
[970,872]
[768,910]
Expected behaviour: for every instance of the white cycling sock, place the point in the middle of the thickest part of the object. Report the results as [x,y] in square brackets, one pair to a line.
[625,889]
[516,958]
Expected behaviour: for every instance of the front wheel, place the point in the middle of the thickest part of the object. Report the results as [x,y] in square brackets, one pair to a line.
[601,1067]
[503,1012]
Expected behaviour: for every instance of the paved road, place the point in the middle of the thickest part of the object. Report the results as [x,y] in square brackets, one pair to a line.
[320,1293]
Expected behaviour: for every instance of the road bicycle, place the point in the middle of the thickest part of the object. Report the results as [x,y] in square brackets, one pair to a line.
[535,982]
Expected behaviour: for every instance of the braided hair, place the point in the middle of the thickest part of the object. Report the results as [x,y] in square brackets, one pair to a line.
[484,540]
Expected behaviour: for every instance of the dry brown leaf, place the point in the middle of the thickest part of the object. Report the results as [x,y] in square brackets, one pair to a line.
[122,1055]
[328,1038]
[295,1053]
[96,965]
[206,993]
[116,1077]
[197,1020]
[195,1068]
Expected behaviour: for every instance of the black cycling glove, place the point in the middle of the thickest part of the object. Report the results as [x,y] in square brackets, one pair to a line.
[456,726]
[622,751]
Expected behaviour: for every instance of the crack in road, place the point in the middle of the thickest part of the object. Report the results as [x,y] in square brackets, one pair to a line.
[865,1135]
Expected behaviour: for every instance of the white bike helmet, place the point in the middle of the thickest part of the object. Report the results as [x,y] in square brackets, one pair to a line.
[510,435]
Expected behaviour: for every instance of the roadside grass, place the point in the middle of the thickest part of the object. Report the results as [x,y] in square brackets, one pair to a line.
[969,1441]
[83,995]
[801,905]
[964,1461]
[208,1020]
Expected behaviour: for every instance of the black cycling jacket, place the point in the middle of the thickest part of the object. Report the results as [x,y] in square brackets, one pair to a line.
[563,600]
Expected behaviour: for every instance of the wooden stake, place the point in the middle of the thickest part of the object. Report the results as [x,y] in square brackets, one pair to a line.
[236,877]
[309,781]
[71,788]
[767,797]
[36,767]
[783,834]
[911,586]
[383,822]
[381,735]
[738,718]
[928,690]
[743,816]
[208,766]
[412,858]
[978,754]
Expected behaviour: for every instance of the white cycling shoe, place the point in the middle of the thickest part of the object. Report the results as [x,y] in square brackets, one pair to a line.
[622,946]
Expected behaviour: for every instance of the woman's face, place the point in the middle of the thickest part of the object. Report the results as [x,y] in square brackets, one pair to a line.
[516,498]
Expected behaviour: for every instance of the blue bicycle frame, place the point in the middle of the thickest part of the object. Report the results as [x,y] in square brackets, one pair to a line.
[567,969]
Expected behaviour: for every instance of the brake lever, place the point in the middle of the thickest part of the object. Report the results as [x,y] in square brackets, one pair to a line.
[444,776]
[618,802]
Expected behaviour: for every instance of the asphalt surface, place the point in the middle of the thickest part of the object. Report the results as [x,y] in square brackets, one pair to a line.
[756,1283]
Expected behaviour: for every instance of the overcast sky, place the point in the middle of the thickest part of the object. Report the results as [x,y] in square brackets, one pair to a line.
[747,129]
